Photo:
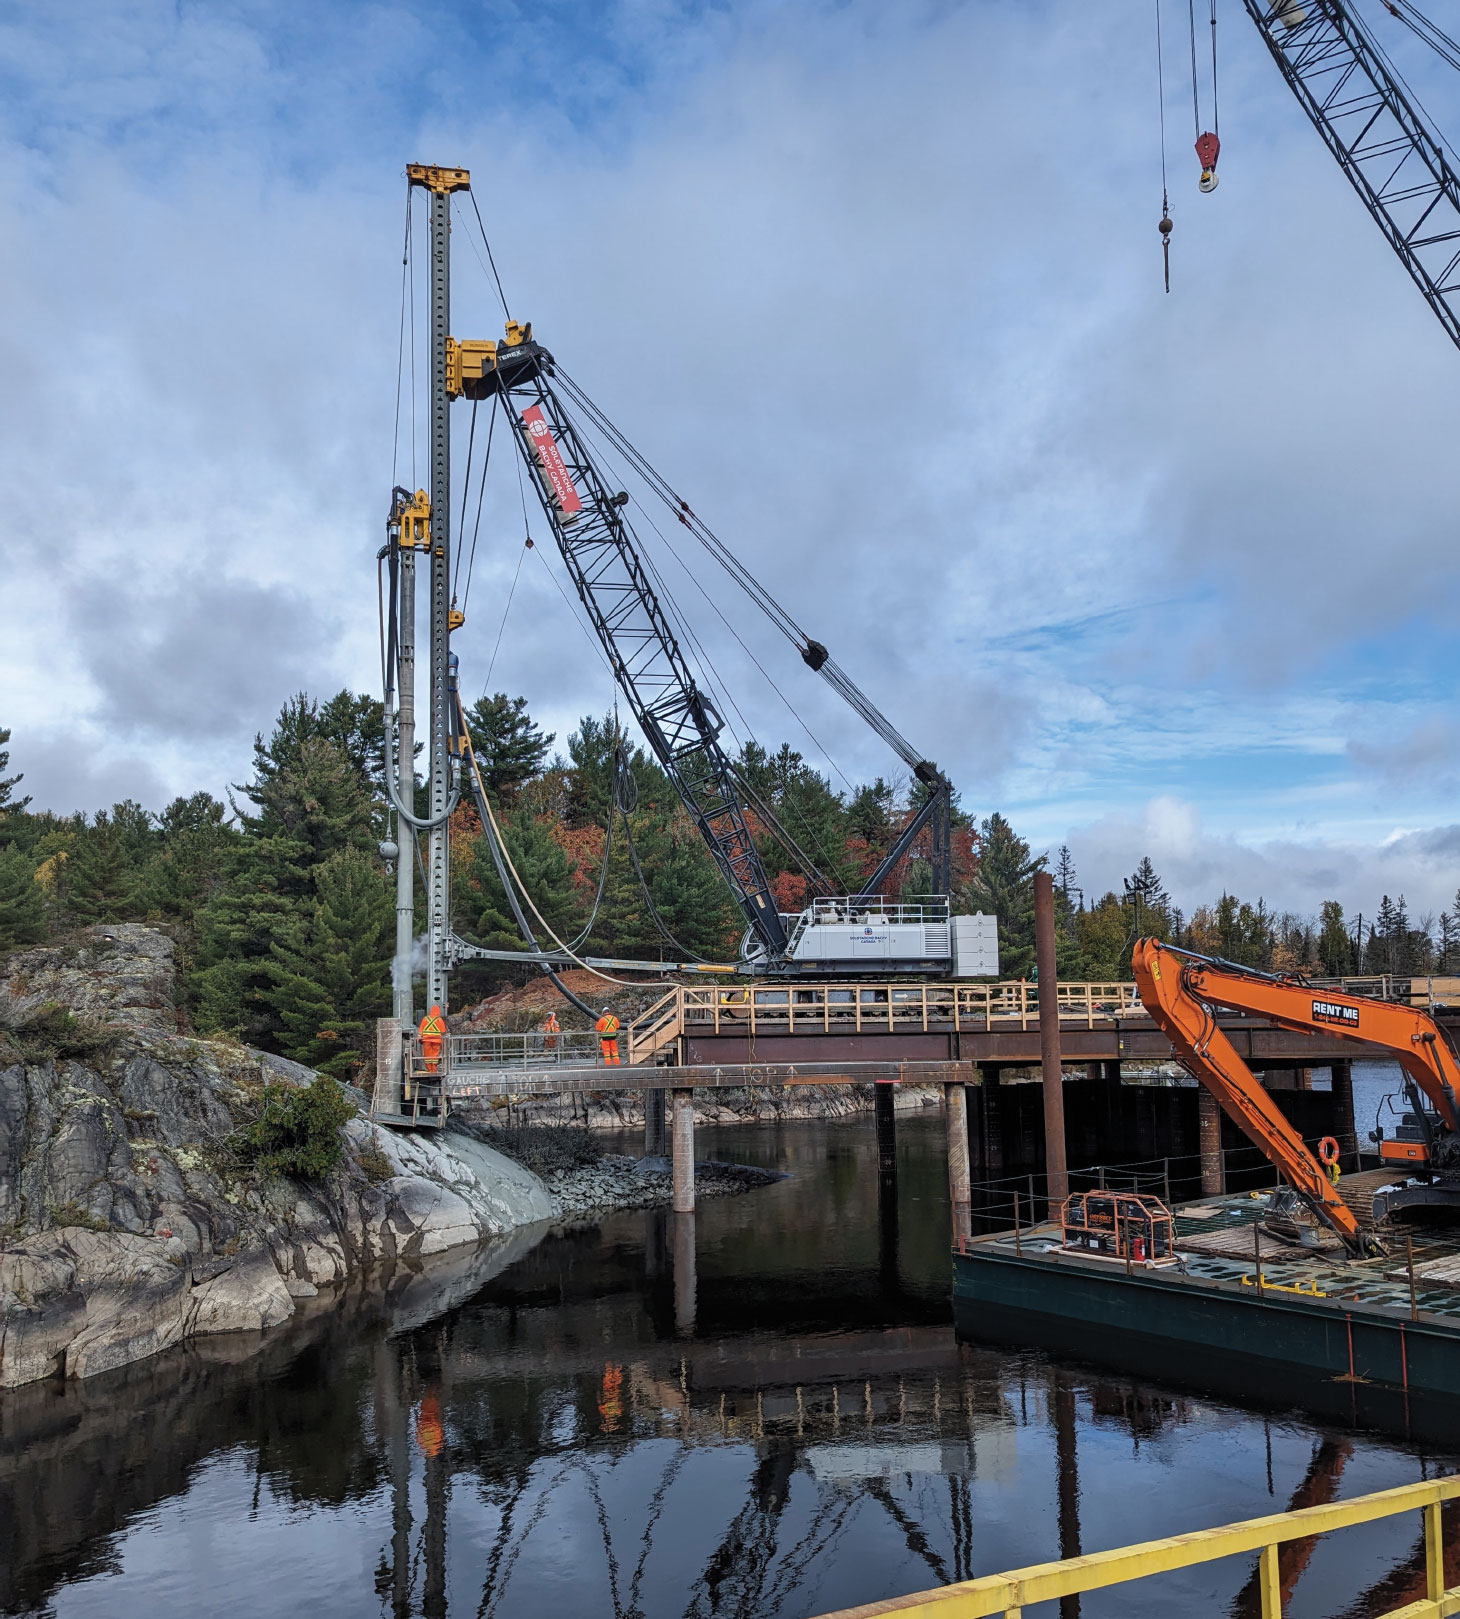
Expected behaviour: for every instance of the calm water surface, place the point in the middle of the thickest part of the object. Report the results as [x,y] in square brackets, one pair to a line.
[766,1413]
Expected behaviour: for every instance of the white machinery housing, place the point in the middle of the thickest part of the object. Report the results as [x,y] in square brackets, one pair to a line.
[864,933]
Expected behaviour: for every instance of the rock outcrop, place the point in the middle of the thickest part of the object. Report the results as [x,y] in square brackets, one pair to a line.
[126,1222]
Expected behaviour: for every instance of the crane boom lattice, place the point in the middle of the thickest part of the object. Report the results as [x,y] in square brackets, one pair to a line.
[1380,139]
[678,719]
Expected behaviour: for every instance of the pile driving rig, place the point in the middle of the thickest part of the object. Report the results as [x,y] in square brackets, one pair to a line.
[836,934]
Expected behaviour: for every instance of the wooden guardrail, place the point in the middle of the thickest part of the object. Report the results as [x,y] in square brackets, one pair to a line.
[1011,1593]
[889,1007]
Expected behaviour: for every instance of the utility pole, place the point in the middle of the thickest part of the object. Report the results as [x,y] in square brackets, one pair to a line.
[440,184]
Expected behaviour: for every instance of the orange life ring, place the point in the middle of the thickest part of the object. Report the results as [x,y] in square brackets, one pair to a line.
[1328,1150]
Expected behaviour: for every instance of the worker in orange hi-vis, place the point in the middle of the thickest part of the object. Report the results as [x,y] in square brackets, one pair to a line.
[608,1027]
[550,1032]
[433,1033]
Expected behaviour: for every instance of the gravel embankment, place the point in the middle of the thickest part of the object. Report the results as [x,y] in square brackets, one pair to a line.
[616,1182]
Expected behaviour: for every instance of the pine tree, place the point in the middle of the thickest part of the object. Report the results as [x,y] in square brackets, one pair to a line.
[330,971]
[22,902]
[1335,948]
[8,803]
[591,750]
[1105,935]
[188,869]
[265,891]
[1449,943]
[311,804]
[317,798]
[870,815]
[1150,903]
[546,873]
[1003,886]
[1064,874]
[355,723]
[689,894]
[102,881]
[510,748]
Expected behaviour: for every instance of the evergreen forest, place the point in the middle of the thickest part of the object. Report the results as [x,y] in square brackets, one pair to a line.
[283,908]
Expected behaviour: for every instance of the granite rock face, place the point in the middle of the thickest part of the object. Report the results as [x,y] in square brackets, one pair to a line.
[126,1223]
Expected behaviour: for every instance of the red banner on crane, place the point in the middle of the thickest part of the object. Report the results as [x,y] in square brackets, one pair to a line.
[551,458]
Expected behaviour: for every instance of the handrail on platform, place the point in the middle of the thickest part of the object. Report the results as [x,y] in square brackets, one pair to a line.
[1009,1594]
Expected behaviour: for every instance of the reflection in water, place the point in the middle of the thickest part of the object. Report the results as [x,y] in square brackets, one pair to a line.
[760,1409]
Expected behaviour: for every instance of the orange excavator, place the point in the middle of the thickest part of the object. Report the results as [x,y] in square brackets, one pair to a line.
[1182,991]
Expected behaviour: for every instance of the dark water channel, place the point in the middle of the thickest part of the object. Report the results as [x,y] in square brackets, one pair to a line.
[583,1433]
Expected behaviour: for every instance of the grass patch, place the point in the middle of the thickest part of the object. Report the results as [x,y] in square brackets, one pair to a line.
[52,1032]
[73,1214]
[297,1131]
[374,1164]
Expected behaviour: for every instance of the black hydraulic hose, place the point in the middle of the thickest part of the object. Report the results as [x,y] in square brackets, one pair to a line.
[509,889]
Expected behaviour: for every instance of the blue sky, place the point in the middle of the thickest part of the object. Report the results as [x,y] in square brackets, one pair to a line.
[878,288]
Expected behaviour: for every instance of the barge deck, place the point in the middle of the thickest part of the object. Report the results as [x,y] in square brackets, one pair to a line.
[1241,1310]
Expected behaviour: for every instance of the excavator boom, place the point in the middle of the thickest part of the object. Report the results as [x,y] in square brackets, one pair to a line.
[1180,990]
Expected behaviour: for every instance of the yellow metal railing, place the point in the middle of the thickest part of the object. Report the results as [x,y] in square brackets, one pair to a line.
[1009,1594]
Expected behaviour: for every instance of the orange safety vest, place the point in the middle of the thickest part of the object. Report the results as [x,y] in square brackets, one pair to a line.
[433,1026]
[607,1026]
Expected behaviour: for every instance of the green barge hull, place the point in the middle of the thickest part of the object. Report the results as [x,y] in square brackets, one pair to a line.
[1350,1343]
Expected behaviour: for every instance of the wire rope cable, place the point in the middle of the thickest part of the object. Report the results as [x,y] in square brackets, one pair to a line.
[1216,106]
[715,608]
[400,354]
[490,260]
[471,439]
[481,493]
[497,644]
[812,652]
[490,820]
[1444,46]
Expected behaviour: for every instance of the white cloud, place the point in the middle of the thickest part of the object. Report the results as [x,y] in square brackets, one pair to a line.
[1198,865]
[879,290]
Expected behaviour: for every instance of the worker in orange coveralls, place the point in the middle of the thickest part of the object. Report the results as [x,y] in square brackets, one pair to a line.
[433,1032]
[607,1027]
[550,1032]
[430,1431]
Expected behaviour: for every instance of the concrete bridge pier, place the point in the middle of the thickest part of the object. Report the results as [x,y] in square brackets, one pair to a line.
[683,1131]
[960,1186]
[682,1237]
[654,1124]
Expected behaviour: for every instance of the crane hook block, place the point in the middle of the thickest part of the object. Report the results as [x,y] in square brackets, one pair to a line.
[1207,148]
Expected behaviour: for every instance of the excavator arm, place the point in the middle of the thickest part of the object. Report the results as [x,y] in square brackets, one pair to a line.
[1180,990]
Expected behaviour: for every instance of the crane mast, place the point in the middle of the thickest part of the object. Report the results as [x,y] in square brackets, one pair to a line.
[1378,136]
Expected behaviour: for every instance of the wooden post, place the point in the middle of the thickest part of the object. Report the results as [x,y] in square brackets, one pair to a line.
[991,1116]
[960,1187]
[1209,1133]
[1056,1175]
[683,1130]
[1344,1128]
[389,1059]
